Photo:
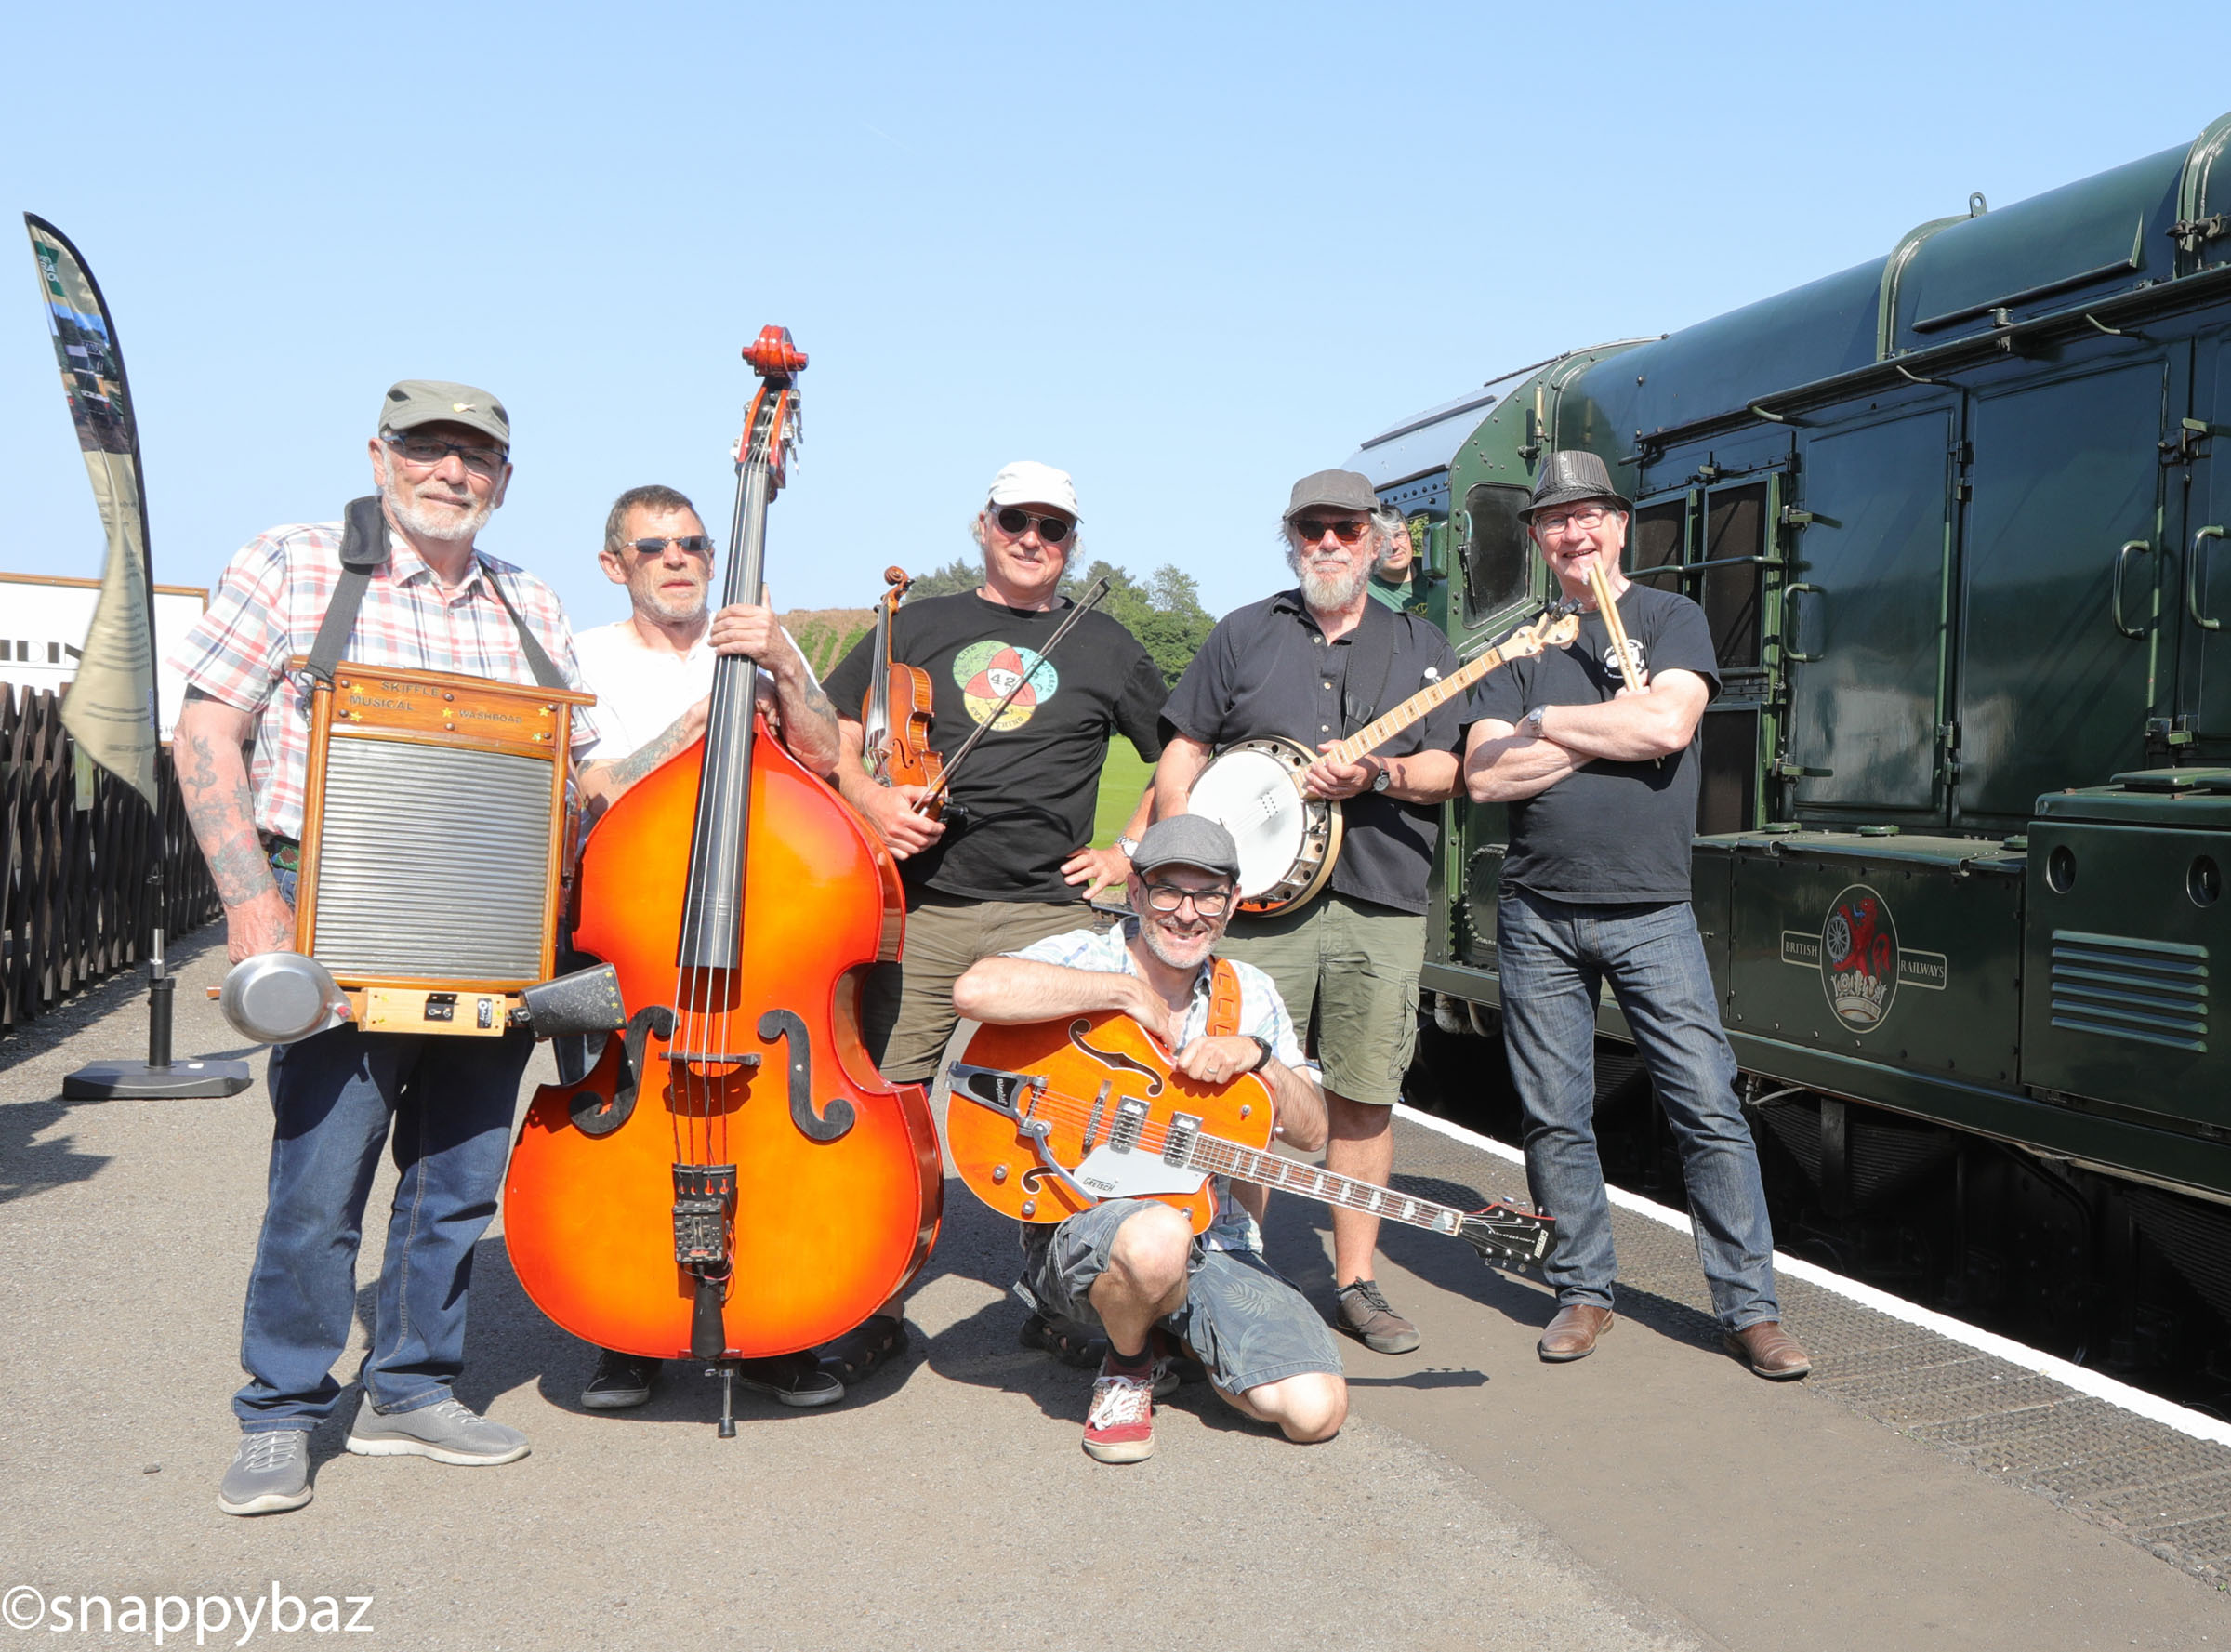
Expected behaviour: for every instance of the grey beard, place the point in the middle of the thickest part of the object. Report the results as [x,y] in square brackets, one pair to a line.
[407,513]
[1325,594]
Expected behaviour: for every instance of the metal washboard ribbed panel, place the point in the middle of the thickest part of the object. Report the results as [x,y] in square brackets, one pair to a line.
[2119,986]
[433,863]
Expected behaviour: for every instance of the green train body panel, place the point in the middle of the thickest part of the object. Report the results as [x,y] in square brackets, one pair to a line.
[1956,520]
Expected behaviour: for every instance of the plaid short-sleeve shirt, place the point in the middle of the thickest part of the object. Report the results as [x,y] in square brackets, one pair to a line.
[268,608]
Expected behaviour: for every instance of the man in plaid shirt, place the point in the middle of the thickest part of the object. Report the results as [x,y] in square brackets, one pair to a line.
[440,461]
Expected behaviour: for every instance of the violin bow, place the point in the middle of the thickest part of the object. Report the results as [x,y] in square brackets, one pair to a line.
[1077,611]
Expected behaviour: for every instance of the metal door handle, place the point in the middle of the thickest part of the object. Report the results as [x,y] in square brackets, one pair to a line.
[1789,622]
[2115,586]
[2192,577]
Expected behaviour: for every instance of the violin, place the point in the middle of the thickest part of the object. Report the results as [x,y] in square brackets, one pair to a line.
[894,719]
[733,1179]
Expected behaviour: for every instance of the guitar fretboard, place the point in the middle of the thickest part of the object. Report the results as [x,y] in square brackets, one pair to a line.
[1274,1169]
[1373,735]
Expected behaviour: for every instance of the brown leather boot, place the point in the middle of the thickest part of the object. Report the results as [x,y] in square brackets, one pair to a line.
[1769,1350]
[1572,1335]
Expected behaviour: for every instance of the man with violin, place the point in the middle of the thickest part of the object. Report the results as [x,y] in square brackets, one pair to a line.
[441,463]
[1128,1265]
[652,673]
[1593,747]
[1005,862]
[1315,664]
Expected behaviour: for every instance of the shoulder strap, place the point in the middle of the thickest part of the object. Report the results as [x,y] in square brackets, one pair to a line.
[363,548]
[1363,661]
[1224,999]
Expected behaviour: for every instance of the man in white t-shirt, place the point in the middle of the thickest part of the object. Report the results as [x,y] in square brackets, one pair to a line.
[652,672]
[652,675]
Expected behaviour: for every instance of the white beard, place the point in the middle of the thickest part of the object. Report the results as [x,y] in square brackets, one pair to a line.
[406,511]
[1328,593]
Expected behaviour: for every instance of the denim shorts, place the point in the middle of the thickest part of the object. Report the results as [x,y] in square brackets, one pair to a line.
[1242,1318]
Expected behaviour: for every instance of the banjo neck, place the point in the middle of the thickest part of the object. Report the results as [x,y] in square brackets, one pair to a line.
[1370,737]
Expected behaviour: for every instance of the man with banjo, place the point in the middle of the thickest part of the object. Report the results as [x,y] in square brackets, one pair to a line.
[1008,862]
[1277,684]
[1593,747]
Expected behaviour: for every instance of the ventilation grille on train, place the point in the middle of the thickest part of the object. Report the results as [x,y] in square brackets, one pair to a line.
[2151,991]
[433,863]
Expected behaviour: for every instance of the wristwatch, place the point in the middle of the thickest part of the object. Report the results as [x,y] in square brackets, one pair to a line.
[1383,779]
[1531,722]
[1262,1044]
[1129,845]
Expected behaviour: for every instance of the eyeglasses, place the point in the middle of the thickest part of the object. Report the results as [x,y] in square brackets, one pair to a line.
[1169,897]
[698,544]
[1313,528]
[1588,516]
[1014,523]
[432,450]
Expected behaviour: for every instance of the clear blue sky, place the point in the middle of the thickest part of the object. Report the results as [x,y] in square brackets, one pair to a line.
[1186,252]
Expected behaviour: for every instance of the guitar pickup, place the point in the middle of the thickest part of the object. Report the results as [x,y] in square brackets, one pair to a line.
[1184,1129]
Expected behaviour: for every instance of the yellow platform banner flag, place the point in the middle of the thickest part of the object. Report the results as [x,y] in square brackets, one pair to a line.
[110,709]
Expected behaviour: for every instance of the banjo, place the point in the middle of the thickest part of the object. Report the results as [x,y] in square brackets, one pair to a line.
[1289,842]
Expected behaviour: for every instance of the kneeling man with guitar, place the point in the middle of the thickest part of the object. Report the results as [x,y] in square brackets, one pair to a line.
[1117,1258]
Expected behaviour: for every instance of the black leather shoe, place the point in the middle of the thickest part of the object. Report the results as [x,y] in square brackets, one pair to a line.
[620,1382]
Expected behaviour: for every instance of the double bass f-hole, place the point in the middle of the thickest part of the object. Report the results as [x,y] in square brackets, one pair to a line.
[1113,1058]
[831,1122]
[590,1113]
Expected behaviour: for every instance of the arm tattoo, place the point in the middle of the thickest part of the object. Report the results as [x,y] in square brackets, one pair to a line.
[222,811]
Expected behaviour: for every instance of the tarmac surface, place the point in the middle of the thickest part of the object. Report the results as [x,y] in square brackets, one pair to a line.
[1654,1496]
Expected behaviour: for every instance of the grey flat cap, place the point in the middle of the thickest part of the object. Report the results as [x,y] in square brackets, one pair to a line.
[1187,841]
[1340,490]
[436,401]
[1573,475]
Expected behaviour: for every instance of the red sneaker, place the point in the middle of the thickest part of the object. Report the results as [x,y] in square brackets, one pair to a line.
[1120,1426]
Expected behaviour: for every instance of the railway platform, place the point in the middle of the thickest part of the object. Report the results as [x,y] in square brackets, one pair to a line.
[1915,1489]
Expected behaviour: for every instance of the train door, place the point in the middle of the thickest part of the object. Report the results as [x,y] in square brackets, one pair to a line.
[1863,619]
[2063,656]
[2204,437]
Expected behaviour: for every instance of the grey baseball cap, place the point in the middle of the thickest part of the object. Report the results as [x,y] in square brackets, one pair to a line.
[437,401]
[1341,490]
[1187,841]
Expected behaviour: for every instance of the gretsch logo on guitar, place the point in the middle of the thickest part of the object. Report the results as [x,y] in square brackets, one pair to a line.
[1288,841]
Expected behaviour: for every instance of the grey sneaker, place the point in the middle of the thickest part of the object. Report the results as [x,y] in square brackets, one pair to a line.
[447,1431]
[1366,1316]
[269,1474]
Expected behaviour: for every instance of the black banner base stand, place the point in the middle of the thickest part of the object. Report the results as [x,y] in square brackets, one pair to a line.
[158,1078]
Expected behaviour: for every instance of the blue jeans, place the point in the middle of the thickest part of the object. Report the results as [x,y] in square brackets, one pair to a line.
[447,1099]
[1554,956]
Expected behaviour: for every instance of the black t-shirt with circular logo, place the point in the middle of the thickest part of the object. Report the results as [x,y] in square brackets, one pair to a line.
[1607,832]
[1029,791]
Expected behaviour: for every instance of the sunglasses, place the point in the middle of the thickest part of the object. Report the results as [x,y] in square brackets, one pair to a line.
[1014,523]
[432,450]
[697,545]
[1349,529]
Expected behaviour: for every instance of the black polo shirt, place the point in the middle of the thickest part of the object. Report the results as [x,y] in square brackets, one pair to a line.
[1267,669]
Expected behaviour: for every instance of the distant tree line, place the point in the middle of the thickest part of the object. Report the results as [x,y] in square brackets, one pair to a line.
[1163,611]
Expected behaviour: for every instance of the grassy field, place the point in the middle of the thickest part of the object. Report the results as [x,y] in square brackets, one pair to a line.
[1120,783]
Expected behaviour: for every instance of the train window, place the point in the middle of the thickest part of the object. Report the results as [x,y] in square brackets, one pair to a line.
[1734,525]
[1497,550]
[1727,788]
[1657,541]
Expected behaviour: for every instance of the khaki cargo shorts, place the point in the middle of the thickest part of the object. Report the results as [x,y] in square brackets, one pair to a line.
[1349,971]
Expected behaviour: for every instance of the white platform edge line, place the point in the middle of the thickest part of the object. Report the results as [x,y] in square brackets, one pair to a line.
[2199,1426]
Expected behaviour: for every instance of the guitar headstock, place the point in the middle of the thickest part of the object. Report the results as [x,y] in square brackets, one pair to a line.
[1558,626]
[1506,1235]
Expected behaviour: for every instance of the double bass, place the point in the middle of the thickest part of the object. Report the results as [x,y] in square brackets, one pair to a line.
[733,1179]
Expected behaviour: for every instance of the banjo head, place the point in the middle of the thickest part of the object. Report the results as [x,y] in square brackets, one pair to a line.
[1285,839]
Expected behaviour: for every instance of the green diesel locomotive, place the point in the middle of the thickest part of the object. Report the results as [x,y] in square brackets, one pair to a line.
[1956,517]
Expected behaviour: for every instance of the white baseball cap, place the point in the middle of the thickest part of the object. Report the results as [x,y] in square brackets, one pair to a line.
[1028,483]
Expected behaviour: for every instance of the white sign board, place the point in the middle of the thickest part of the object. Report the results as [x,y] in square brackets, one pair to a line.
[43,626]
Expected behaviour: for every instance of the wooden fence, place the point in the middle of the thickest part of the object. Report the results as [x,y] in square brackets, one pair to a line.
[76,900]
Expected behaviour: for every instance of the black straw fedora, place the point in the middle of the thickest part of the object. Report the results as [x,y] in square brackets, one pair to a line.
[1572,475]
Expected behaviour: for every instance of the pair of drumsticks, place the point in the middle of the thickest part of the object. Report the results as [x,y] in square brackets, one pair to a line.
[1610,611]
